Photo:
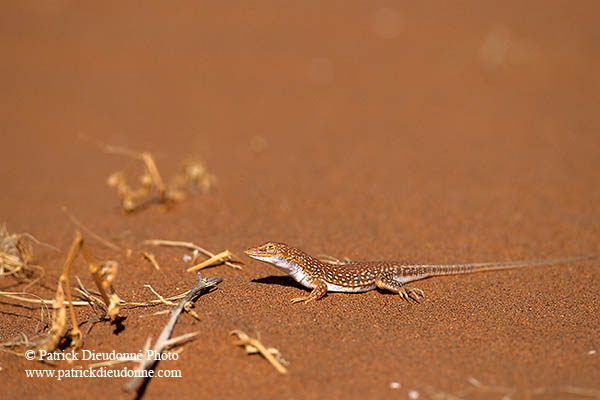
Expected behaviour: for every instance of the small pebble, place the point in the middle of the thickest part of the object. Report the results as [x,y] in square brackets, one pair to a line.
[187,258]
[413,394]
[591,352]
[473,381]
[395,385]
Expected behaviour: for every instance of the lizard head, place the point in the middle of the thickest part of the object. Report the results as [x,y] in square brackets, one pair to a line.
[271,252]
[282,256]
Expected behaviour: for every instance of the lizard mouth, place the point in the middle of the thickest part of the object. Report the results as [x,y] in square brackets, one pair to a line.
[250,252]
[254,252]
[257,253]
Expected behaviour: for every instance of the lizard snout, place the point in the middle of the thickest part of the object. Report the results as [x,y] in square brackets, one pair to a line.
[251,251]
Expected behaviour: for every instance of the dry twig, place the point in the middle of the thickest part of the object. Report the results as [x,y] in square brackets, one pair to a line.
[187,307]
[192,246]
[253,346]
[15,256]
[84,228]
[509,393]
[44,302]
[193,178]
[150,258]
[103,276]
[163,341]
[214,260]
[567,389]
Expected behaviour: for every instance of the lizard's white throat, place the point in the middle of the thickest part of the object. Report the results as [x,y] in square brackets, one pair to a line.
[289,267]
[279,262]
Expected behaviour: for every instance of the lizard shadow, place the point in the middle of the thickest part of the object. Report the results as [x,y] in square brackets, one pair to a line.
[284,280]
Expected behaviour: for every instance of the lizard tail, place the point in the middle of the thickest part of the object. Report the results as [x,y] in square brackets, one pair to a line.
[454,269]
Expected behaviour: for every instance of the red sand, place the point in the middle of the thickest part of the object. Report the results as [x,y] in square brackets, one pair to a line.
[430,133]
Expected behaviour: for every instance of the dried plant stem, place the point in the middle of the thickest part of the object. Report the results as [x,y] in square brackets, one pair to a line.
[150,257]
[216,259]
[187,245]
[15,256]
[45,302]
[175,243]
[162,299]
[107,148]
[75,303]
[99,238]
[102,276]
[64,281]
[153,171]
[192,178]
[163,340]
[246,341]
[569,390]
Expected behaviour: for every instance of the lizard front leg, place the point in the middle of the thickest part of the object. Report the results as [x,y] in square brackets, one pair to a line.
[387,281]
[319,291]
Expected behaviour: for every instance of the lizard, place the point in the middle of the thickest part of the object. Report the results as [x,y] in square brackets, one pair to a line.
[358,276]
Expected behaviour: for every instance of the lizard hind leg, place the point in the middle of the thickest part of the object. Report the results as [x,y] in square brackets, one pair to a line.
[387,282]
[319,291]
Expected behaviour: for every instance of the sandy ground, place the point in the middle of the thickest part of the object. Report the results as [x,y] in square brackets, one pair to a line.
[372,130]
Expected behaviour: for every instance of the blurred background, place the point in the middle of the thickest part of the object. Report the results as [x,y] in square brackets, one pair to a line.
[311,111]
